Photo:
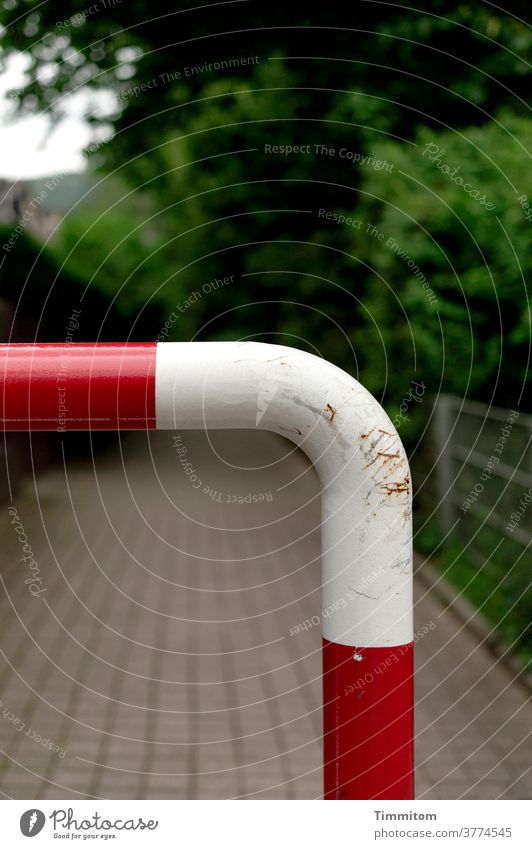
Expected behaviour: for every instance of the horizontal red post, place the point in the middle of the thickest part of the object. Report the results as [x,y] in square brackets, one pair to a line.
[368,722]
[77,386]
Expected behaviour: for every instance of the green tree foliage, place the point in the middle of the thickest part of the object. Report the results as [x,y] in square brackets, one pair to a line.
[237,126]
[438,61]
[43,293]
[296,151]
[451,255]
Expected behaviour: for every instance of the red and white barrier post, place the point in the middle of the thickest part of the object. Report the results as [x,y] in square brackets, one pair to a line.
[366,505]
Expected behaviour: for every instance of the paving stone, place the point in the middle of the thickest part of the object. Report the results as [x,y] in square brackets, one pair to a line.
[164,649]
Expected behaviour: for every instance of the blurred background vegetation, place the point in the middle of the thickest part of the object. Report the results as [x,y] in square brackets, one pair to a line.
[412,123]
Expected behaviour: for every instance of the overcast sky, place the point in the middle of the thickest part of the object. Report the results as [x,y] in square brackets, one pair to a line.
[26,148]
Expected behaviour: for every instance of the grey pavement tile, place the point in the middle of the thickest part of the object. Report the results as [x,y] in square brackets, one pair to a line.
[204,659]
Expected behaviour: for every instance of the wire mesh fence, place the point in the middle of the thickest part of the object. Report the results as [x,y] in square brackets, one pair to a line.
[484,504]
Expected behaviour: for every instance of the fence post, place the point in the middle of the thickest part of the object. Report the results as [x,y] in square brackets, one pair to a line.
[366,505]
[443,428]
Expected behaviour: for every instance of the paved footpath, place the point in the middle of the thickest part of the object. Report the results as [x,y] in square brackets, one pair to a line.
[159,662]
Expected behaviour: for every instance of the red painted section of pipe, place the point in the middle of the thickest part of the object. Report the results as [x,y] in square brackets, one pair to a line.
[368,722]
[77,386]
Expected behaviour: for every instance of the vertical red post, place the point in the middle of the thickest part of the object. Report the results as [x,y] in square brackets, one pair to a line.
[368,722]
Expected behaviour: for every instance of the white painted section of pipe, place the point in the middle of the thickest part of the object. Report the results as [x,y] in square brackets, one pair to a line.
[359,458]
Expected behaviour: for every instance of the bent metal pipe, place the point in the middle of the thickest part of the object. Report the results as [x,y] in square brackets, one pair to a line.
[366,502]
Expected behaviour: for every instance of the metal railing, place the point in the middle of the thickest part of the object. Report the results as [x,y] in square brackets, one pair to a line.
[366,529]
[484,470]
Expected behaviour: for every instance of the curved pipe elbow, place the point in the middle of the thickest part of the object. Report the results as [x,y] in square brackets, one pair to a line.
[361,463]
